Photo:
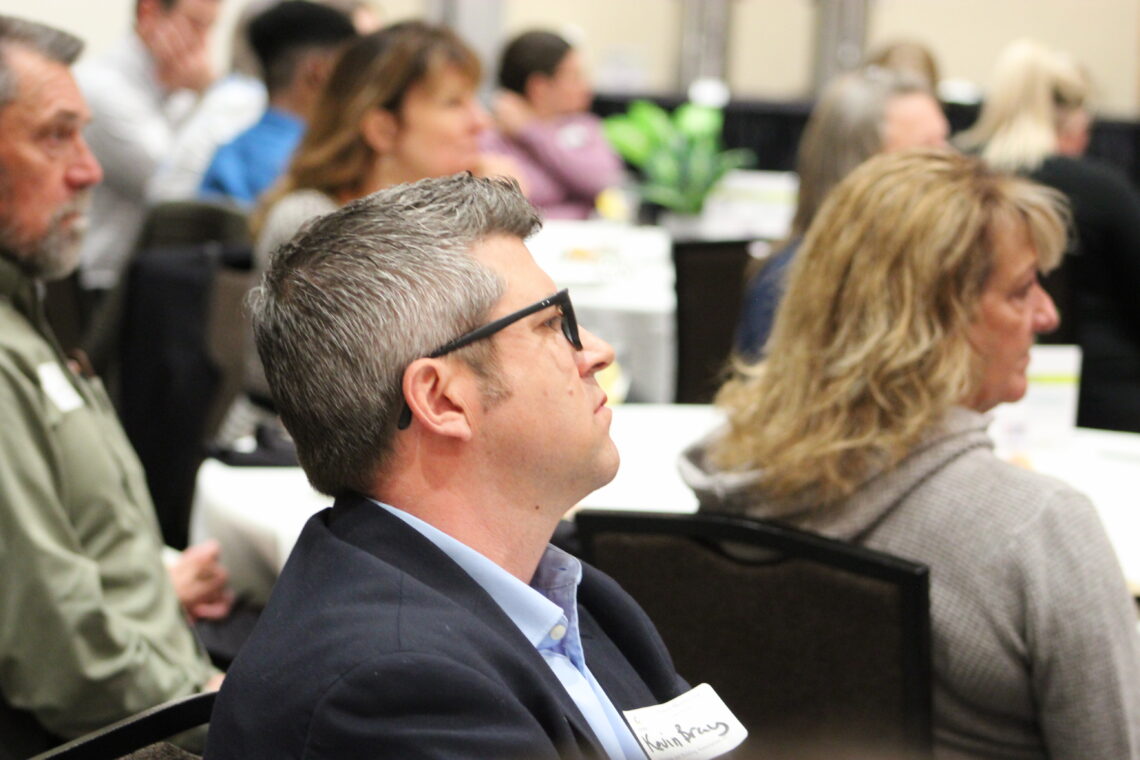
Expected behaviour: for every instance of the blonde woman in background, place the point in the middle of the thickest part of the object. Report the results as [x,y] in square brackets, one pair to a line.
[1035,121]
[910,311]
[858,115]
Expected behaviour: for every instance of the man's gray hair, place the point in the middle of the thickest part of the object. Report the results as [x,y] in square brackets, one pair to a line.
[53,44]
[358,295]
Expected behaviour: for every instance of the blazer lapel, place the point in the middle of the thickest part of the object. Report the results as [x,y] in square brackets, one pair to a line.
[358,521]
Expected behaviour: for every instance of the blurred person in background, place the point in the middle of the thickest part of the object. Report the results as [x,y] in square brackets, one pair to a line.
[296,42]
[140,91]
[1035,120]
[400,105]
[93,627]
[859,114]
[543,121]
[910,312]
[365,14]
[234,102]
[909,56]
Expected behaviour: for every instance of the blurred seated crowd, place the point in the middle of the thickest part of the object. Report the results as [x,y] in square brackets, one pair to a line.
[434,382]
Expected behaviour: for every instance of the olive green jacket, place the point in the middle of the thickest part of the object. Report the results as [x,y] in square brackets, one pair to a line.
[90,627]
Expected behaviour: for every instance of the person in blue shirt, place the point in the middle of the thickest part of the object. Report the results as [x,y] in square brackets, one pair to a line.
[296,42]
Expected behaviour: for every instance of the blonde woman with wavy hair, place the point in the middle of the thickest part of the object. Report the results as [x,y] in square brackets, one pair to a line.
[910,312]
[859,114]
[1036,121]
[1036,106]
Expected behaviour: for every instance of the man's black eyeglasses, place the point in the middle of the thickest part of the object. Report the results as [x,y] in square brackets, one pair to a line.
[561,299]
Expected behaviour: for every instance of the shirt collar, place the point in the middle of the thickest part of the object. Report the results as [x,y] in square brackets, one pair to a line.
[17,287]
[536,609]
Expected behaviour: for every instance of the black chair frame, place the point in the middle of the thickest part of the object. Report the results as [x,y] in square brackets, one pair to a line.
[140,730]
[911,579]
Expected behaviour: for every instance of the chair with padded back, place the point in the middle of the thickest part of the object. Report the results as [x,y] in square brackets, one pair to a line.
[141,736]
[174,332]
[170,224]
[710,279]
[821,648]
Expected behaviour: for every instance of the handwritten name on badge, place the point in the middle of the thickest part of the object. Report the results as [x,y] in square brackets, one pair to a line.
[693,726]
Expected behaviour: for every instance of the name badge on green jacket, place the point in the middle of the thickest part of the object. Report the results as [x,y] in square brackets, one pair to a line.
[58,388]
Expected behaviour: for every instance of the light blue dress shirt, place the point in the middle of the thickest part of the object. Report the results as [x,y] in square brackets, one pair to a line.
[547,614]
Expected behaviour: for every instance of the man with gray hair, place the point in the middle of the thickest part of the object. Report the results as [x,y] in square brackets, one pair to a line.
[91,629]
[439,387]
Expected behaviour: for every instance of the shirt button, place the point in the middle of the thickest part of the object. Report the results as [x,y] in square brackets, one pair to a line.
[557,632]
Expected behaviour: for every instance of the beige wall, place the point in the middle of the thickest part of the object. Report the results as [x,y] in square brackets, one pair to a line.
[633,43]
[770,48]
[967,35]
[772,40]
[101,22]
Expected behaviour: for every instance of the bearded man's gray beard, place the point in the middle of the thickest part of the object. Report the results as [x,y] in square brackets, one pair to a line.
[55,254]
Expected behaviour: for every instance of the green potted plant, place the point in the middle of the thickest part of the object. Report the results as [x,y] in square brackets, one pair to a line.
[679,156]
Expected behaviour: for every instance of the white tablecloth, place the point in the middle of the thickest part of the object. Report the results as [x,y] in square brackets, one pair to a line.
[257,513]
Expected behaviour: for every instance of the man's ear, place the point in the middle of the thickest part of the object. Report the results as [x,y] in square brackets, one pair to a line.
[440,397]
[378,127]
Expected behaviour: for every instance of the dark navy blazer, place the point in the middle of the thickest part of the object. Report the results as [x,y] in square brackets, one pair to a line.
[376,644]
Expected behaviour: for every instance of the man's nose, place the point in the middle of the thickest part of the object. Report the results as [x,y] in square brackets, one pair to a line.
[596,354]
[84,171]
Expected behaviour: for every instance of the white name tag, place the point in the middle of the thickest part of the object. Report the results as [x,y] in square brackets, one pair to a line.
[695,725]
[572,136]
[58,388]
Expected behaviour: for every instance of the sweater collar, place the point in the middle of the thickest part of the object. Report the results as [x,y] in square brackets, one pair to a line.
[959,430]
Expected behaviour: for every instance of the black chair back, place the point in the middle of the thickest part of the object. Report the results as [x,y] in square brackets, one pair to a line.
[172,224]
[821,648]
[158,336]
[137,735]
[710,279]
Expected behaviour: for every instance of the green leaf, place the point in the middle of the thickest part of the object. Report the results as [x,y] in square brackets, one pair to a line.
[663,168]
[697,121]
[702,166]
[737,158]
[669,197]
[651,119]
[627,139]
[680,156]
